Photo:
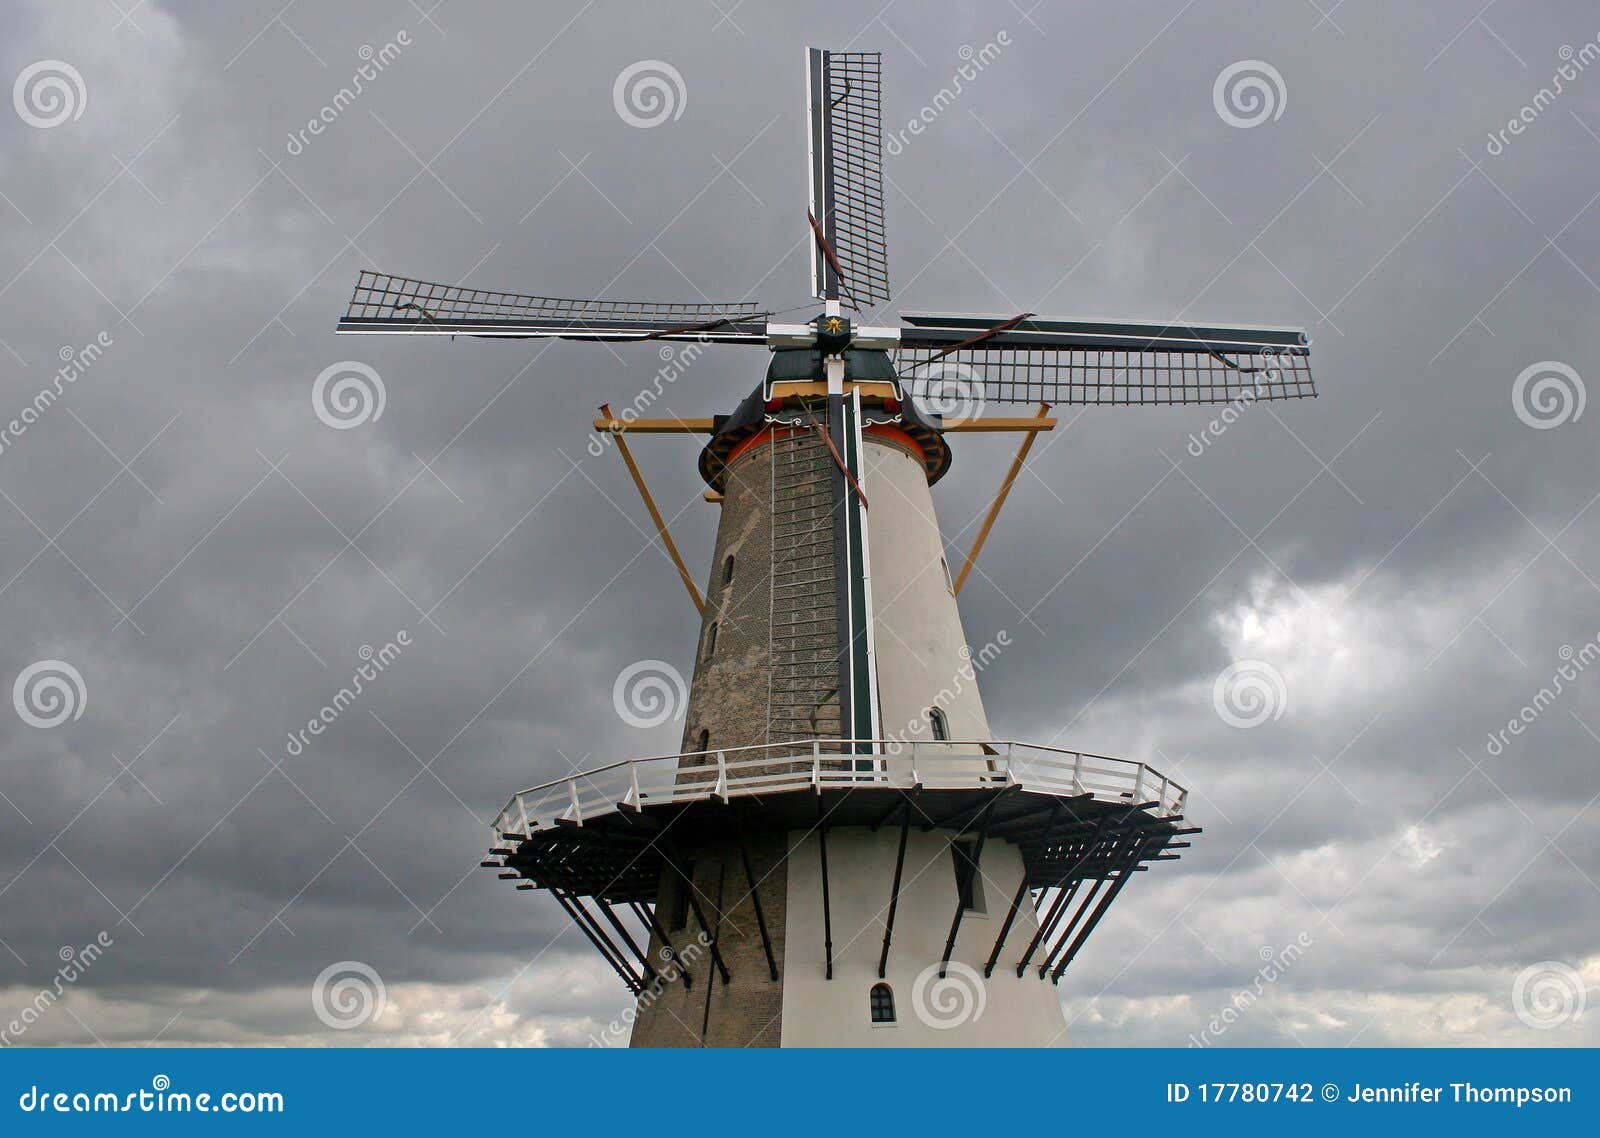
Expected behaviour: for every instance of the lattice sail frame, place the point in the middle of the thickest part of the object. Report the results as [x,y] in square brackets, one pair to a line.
[962,360]
[1088,377]
[384,303]
[845,101]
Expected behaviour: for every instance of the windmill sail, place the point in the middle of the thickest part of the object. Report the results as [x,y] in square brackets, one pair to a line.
[846,144]
[1030,360]
[386,304]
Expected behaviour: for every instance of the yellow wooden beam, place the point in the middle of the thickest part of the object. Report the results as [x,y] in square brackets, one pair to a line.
[654,426]
[1001,423]
[655,514]
[1005,489]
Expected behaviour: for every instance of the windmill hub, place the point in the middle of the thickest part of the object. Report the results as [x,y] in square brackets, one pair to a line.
[840,828]
[833,334]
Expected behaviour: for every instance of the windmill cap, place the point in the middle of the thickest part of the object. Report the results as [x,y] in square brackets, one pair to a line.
[804,365]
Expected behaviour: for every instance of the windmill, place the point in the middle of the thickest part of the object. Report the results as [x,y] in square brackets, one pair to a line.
[842,852]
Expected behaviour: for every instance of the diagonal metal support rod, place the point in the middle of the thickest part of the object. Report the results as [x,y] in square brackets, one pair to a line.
[1094,852]
[827,907]
[1048,924]
[1063,896]
[755,900]
[699,914]
[1016,903]
[1094,919]
[1000,498]
[1088,927]
[1005,928]
[651,976]
[1066,933]
[655,515]
[647,914]
[894,893]
[585,921]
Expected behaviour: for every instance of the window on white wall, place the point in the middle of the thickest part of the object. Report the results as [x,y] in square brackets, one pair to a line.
[882,1003]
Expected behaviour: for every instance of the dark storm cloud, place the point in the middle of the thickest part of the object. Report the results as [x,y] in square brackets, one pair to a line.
[1413,594]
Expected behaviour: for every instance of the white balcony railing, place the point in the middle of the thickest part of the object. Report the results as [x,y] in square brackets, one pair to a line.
[822,765]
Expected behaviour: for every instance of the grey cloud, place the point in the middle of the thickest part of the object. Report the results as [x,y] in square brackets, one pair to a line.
[1411,609]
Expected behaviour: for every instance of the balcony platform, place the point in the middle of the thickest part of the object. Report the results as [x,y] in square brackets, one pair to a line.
[605,833]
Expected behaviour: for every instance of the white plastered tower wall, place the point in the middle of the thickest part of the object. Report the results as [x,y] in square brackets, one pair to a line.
[921,649]
[922,662]
[963,1009]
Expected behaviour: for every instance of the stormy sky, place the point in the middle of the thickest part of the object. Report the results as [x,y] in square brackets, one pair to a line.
[1400,566]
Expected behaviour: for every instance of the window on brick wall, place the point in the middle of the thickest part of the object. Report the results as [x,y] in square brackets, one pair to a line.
[711,640]
[702,741]
[727,570]
[881,1002]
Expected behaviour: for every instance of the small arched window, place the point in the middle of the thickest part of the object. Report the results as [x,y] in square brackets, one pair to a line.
[882,1003]
[937,724]
[711,640]
[702,742]
[727,570]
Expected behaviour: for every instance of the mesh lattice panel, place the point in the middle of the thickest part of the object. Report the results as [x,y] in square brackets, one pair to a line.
[981,373]
[853,121]
[379,297]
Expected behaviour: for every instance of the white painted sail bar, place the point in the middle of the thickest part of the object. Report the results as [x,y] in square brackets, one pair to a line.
[819,765]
